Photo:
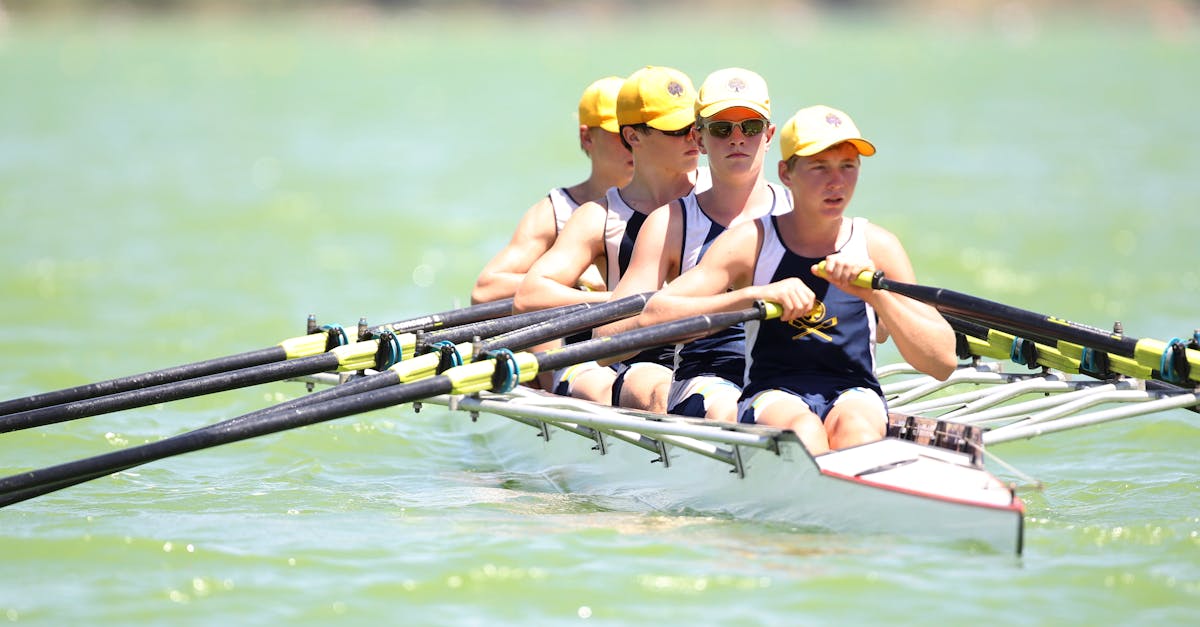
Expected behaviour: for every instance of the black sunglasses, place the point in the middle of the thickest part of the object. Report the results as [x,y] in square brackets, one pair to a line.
[724,128]
[676,133]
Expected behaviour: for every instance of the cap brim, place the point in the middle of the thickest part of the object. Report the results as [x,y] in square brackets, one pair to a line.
[673,121]
[710,110]
[864,147]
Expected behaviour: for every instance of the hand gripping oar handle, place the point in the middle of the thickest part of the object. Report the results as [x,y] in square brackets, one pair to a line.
[291,348]
[466,379]
[1174,362]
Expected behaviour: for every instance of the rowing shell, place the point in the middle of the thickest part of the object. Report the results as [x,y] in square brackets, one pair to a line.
[893,486]
[925,479]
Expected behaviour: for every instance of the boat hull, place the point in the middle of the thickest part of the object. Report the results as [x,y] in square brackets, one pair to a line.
[888,487]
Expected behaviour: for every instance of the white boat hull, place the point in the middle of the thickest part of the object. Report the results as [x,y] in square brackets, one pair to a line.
[891,487]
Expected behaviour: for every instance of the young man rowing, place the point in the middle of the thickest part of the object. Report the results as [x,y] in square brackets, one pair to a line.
[655,111]
[611,165]
[733,113]
[812,370]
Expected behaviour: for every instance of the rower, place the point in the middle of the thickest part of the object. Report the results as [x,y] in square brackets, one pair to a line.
[733,115]
[812,370]
[611,165]
[655,111]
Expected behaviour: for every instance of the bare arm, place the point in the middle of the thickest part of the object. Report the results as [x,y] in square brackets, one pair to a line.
[723,281]
[922,335]
[551,280]
[655,260]
[534,235]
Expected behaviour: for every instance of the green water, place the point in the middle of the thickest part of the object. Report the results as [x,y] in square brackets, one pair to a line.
[173,190]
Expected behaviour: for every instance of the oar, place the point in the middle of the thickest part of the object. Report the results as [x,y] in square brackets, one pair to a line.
[500,373]
[1170,361]
[376,353]
[408,370]
[291,348]
[979,340]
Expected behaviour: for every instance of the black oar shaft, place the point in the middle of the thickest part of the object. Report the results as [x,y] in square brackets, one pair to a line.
[23,486]
[520,339]
[646,337]
[272,354]
[569,323]
[210,384]
[453,317]
[145,379]
[1011,319]
[488,328]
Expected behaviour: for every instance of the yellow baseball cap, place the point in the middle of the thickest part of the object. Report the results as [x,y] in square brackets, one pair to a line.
[659,97]
[816,128]
[598,105]
[733,87]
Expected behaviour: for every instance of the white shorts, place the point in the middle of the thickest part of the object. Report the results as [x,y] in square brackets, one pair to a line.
[565,377]
[818,402]
[625,370]
[690,397]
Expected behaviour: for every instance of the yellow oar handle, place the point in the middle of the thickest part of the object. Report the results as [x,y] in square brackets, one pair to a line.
[423,366]
[477,376]
[865,279]
[1150,353]
[305,345]
[356,356]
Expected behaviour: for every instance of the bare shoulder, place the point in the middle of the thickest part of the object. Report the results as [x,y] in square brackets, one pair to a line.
[888,253]
[878,235]
[585,226]
[745,233]
[669,217]
[589,213]
[736,249]
[543,209]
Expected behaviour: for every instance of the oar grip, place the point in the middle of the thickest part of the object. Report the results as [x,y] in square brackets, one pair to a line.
[305,345]
[356,356]
[866,279]
[477,376]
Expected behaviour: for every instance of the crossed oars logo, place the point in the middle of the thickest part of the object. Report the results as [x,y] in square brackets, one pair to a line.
[814,323]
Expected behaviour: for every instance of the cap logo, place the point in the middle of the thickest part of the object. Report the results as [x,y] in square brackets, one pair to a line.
[736,85]
[675,89]
[833,120]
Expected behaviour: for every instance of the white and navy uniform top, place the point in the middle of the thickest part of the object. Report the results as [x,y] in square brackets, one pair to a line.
[722,354]
[563,206]
[622,225]
[621,229]
[832,349]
